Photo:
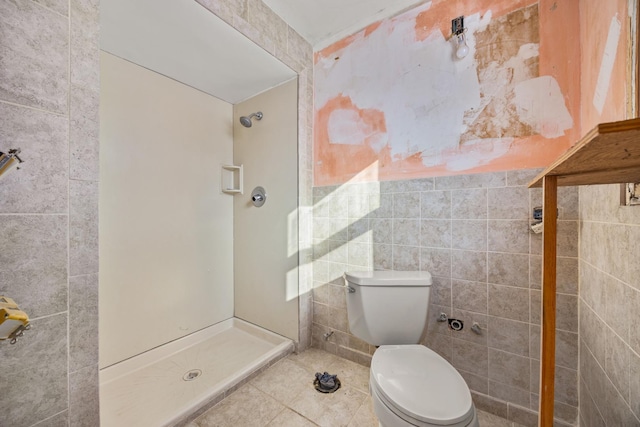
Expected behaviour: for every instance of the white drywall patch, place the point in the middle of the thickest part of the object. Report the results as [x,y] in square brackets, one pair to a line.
[346,127]
[540,104]
[484,150]
[606,66]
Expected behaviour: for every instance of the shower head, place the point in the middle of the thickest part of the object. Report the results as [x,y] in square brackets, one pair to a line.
[246,121]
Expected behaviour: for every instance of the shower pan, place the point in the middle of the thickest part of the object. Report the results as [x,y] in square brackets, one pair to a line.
[166,385]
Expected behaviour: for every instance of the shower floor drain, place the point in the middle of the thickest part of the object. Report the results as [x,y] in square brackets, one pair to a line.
[191,375]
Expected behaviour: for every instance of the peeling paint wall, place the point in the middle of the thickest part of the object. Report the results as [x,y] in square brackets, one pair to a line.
[393,99]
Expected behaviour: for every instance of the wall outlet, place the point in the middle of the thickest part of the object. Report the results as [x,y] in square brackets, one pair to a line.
[537,213]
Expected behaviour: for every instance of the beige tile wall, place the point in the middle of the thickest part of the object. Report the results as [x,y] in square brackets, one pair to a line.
[609,309]
[49,90]
[471,232]
[49,107]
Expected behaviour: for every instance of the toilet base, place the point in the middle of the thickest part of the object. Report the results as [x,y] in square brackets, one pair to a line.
[387,418]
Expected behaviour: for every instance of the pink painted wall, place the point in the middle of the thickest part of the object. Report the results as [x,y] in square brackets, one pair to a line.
[392,100]
[599,44]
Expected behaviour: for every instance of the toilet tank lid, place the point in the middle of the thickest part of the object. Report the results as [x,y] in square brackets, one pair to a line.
[389,278]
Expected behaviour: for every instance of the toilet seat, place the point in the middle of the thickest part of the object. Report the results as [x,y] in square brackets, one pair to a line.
[420,387]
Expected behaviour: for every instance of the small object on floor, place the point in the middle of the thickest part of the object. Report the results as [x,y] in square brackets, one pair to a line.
[326,383]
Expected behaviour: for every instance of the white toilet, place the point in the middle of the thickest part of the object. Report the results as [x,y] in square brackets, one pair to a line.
[410,384]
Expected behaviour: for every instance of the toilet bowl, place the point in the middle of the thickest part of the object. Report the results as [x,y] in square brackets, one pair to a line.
[410,384]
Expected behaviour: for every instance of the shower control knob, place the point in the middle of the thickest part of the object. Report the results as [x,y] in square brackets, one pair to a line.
[258,197]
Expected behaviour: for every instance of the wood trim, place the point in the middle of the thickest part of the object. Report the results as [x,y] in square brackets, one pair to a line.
[607,147]
[548,330]
[597,177]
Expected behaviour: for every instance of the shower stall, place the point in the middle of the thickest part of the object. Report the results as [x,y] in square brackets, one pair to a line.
[198,286]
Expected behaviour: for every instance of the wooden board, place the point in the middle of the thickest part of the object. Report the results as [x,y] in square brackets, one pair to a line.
[609,154]
[548,330]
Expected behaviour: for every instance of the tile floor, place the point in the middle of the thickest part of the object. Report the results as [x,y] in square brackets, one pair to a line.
[283,395]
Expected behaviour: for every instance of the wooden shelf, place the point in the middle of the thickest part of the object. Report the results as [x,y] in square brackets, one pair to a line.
[609,154]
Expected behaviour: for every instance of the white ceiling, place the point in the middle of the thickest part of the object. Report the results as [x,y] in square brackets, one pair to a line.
[322,22]
[182,40]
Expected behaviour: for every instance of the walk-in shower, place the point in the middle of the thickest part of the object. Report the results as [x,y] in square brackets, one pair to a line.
[198,288]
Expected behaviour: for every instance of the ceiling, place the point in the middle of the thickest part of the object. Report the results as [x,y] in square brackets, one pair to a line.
[324,22]
[181,40]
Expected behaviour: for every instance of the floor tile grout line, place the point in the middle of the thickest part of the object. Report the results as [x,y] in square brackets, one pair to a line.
[296,412]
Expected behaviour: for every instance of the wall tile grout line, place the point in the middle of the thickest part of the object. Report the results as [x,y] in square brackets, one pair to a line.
[51,10]
[53,113]
[69,5]
[34,214]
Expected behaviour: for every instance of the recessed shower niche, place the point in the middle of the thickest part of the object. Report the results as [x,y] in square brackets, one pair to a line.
[185,264]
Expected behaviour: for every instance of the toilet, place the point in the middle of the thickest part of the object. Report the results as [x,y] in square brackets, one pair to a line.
[410,384]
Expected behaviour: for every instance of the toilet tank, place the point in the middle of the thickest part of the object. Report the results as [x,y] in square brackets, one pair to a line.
[388,307]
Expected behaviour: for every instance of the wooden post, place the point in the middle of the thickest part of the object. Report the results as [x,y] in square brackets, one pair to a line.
[548,331]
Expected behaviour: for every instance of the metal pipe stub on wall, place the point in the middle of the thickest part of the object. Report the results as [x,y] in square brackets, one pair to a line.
[258,197]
